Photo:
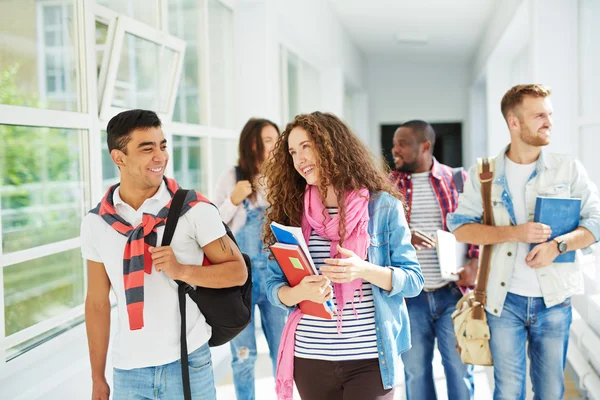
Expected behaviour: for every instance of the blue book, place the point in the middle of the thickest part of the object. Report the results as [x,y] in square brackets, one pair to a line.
[562,215]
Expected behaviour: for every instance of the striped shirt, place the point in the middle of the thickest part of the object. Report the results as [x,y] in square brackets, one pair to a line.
[318,338]
[427,218]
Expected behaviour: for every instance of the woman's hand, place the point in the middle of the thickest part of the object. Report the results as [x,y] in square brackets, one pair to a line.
[314,288]
[341,270]
[242,190]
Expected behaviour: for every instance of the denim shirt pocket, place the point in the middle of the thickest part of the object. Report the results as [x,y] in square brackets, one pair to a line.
[379,248]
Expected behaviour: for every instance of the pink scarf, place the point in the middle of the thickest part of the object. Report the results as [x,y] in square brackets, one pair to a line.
[316,218]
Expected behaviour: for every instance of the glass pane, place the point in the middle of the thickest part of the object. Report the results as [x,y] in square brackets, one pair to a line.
[589,50]
[187,158]
[140,83]
[110,172]
[292,83]
[41,185]
[38,58]
[590,143]
[37,290]
[101,36]
[309,87]
[184,17]
[224,155]
[145,11]
[221,47]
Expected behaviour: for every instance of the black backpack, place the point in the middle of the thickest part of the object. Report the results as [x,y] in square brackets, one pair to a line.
[227,311]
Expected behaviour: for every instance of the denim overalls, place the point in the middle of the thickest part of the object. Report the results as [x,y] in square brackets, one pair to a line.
[243,347]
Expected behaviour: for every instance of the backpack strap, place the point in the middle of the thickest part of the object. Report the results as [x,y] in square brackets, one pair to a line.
[485,168]
[172,219]
[457,177]
[238,173]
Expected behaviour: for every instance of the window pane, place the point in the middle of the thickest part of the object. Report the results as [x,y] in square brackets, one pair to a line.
[187,158]
[101,36]
[293,77]
[184,18]
[589,50]
[221,47]
[590,142]
[143,75]
[41,185]
[37,290]
[38,58]
[224,155]
[145,11]
[110,172]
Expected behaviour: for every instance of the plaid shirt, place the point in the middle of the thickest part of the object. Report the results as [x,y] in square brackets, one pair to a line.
[444,189]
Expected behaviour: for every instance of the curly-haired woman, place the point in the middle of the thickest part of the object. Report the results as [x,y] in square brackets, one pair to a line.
[321,177]
[242,205]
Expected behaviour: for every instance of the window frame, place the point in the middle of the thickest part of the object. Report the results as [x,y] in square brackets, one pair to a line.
[129,26]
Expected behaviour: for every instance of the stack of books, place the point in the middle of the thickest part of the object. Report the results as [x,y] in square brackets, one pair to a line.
[293,257]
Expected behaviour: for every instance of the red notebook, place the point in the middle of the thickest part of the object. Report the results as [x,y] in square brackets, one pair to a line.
[295,266]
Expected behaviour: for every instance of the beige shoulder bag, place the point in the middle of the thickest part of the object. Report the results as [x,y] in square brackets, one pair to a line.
[470,322]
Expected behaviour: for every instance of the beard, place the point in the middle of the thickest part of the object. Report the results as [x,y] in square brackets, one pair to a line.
[408,168]
[532,139]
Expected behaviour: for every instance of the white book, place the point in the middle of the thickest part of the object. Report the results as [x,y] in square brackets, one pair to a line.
[452,254]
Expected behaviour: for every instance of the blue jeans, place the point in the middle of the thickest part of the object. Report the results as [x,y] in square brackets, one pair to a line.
[164,382]
[243,346]
[527,322]
[430,318]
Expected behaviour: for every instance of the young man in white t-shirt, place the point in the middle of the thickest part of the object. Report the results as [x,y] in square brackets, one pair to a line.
[146,347]
[528,294]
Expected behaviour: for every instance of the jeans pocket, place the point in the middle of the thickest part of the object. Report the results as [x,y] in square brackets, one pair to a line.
[565,303]
[200,359]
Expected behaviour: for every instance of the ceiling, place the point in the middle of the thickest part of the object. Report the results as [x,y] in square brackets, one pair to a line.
[428,29]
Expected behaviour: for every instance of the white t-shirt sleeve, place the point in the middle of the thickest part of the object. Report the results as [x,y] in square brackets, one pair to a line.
[206,222]
[88,248]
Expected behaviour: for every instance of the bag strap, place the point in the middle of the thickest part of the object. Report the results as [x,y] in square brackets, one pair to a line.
[238,174]
[172,219]
[485,168]
[457,177]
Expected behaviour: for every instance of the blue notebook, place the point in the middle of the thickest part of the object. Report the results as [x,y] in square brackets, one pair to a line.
[562,215]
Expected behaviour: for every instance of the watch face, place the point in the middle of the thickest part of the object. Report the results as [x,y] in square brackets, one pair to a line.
[562,247]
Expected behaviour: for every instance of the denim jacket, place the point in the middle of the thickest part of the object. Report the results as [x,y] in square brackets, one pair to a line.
[555,176]
[390,246]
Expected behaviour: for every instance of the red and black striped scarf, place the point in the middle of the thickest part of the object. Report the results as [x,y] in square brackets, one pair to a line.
[136,258]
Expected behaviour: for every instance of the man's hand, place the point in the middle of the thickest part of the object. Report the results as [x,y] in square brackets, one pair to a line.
[421,240]
[468,273]
[164,260]
[533,232]
[242,190]
[100,389]
[542,255]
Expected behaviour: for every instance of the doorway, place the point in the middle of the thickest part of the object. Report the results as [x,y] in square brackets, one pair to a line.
[448,142]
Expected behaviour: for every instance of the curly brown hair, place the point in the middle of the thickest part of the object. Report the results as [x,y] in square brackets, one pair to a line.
[342,159]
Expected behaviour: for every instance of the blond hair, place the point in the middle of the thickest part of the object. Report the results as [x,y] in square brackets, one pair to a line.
[514,97]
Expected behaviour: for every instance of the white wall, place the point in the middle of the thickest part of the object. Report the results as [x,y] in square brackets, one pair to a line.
[312,31]
[399,90]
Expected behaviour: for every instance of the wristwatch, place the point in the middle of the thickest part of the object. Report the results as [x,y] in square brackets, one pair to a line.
[562,246]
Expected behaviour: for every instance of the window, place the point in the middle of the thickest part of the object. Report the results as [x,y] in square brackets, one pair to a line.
[45,75]
[145,11]
[184,18]
[188,161]
[221,57]
[300,84]
[143,70]
[589,59]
